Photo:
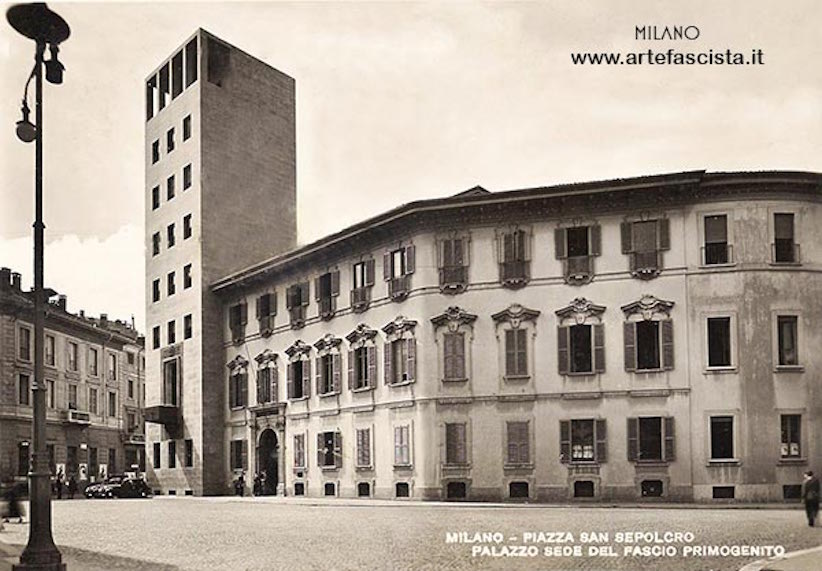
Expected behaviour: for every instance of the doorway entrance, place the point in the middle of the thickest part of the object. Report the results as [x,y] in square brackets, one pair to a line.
[267,461]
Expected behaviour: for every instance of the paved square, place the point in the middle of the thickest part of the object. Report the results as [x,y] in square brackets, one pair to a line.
[268,533]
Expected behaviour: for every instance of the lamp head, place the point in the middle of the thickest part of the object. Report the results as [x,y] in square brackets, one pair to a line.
[54,68]
[26,132]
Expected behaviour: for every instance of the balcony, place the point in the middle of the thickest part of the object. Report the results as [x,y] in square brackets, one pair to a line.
[168,415]
[646,265]
[266,325]
[327,307]
[237,334]
[398,288]
[514,274]
[453,279]
[717,254]
[360,298]
[579,269]
[77,417]
[785,252]
[297,315]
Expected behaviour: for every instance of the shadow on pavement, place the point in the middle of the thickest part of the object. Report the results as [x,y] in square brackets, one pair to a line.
[85,560]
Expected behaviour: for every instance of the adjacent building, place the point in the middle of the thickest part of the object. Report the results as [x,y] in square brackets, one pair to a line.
[638,338]
[94,374]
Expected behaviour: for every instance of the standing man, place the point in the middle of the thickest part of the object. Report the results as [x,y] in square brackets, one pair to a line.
[810,495]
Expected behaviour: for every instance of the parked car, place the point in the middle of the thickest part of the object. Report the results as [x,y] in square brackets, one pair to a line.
[132,488]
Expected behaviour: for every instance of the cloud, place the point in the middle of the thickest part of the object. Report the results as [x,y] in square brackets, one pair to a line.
[98,275]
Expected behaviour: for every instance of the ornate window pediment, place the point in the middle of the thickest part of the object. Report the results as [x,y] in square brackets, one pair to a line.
[453,317]
[580,309]
[399,326]
[266,357]
[647,306]
[515,315]
[328,342]
[298,349]
[237,364]
[361,334]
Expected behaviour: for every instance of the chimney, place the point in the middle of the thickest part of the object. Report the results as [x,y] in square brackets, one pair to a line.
[103,320]
[16,281]
[5,277]
[62,300]
[83,313]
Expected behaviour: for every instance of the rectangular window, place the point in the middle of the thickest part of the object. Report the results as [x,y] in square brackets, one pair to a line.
[787,334]
[171,382]
[155,151]
[155,334]
[362,365]
[170,187]
[177,74]
[189,453]
[326,290]
[170,235]
[171,286]
[238,390]
[326,374]
[582,440]
[23,458]
[24,344]
[72,396]
[92,462]
[93,359]
[191,62]
[50,354]
[264,385]
[454,356]
[186,127]
[187,276]
[186,177]
[791,436]
[237,319]
[297,371]
[155,198]
[151,94]
[647,345]
[519,450]
[73,353]
[112,404]
[24,390]
[155,244]
[363,279]
[359,275]
[651,439]
[398,265]
[266,310]
[329,449]
[172,454]
[93,400]
[580,338]
[155,290]
[186,226]
[453,266]
[716,240]
[157,455]
[456,452]
[170,140]
[784,250]
[131,422]
[51,396]
[363,448]
[644,241]
[299,450]
[172,332]
[400,361]
[722,437]
[131,388]
[516,353]
[296,302]
[719,341]
[164,86]
[112,366]
[577,241]
[187,326]
[515,256]
[402,445]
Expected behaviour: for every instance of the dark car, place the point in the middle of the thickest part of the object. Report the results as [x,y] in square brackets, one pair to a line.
[132,488]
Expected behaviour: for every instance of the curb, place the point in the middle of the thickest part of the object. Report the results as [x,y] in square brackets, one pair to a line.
[762,564]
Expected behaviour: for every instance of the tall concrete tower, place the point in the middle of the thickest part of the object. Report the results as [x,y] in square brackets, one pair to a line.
[220,195]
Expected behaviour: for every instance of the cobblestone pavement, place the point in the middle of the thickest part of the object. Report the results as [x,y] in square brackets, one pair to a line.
[227,533]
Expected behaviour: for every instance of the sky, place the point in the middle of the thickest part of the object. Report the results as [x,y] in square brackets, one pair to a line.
[399,102]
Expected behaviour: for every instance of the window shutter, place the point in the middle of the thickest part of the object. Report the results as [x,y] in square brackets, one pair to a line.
[338,450]
[317,289]
[320,446]
[459,355]
[595,235]
[562,349]
[560,243]
[629,336]
[232,379]
[564,441]
[458,246]
[244,454]
[244,389]
[289,380]
[335,283]
[670,444]
[510,352]
[290,300]
[350,370]
[386,266]
[663,233]
[258,306]
[448,355]
[602,441]
[318,375]
[442,254]
[599,348]
[667,344]
[369,272]
[388,364]
[243,313]
[304,293]
[627,239]
[335,367]
[371,357]
[397,445]
[465,249]
[307,378]
[261,381]
[273,377]
[502,242]
[411,353]
[633,439]
[272,303]
[513,451]
[410,262]
[525,237]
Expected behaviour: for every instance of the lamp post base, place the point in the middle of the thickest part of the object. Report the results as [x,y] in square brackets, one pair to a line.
[39,567]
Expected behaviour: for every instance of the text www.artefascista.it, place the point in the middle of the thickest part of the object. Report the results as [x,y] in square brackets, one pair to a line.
[670,57]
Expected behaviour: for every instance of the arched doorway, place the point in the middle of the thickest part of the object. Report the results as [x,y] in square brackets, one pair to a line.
[267,460]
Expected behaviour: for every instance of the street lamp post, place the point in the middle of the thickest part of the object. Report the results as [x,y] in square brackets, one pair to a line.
[37,22]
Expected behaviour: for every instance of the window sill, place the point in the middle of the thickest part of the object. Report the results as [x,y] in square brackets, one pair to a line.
[331,394]
[580,373]
[720,370]
[655,463]
[330,468]
[526,466]
[364,468]
[792,461]
[297,399]
[462,466]
[401,384]
[718,266]
[452,288]
[236,408]
[364,389]
[720,462]
[649,371]
[455,380]
[576,463]
[789,264]
[516,378]
[403,466]
[789,369]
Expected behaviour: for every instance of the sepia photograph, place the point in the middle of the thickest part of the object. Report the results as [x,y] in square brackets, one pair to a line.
[411,285]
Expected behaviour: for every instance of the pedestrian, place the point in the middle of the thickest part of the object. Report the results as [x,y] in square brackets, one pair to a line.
[239,484]
[258,484]
[810,494]
[59,484]
[72,487]
[13,504]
